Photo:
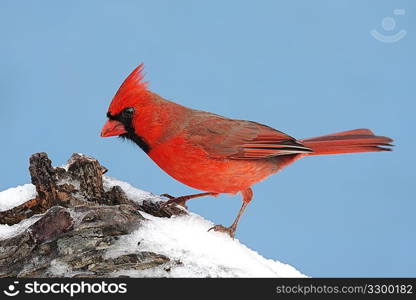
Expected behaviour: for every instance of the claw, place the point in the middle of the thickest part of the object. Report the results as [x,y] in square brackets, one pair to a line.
[174,200]
[182,200]
[229,230]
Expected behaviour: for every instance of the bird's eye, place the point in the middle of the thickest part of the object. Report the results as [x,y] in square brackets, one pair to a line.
[128,112]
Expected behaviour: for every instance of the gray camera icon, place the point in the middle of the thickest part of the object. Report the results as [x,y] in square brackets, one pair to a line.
[388,24]
[11,290]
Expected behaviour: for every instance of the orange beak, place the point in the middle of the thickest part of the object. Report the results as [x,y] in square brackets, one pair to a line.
[113,128]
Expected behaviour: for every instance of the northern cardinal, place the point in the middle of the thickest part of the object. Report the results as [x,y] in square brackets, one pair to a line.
[213,153]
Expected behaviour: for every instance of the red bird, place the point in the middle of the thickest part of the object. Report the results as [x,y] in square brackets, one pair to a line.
[213,153]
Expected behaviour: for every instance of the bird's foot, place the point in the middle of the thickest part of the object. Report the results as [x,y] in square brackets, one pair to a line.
[174,200]
[229,230]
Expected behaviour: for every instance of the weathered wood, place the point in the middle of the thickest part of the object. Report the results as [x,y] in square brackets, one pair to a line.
[56,186]
[80,221]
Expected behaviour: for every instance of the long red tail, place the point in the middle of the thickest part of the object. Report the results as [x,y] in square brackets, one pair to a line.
[352,141]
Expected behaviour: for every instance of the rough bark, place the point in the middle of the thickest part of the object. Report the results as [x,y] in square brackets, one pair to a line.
[79,220]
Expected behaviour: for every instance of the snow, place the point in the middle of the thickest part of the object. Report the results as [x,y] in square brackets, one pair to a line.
[61,269]
[132,193]
[203,253]
[186,239]
[8,231]
[15,196]
[181,238]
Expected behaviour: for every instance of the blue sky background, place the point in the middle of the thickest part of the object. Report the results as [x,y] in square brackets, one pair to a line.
[304,67]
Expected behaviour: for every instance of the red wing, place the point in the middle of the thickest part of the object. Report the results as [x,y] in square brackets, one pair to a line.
[235,139]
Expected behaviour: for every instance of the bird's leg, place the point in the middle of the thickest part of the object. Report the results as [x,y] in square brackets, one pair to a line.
[182,199]
[247,196]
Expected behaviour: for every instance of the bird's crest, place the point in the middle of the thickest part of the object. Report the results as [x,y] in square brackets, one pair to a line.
[132,91]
